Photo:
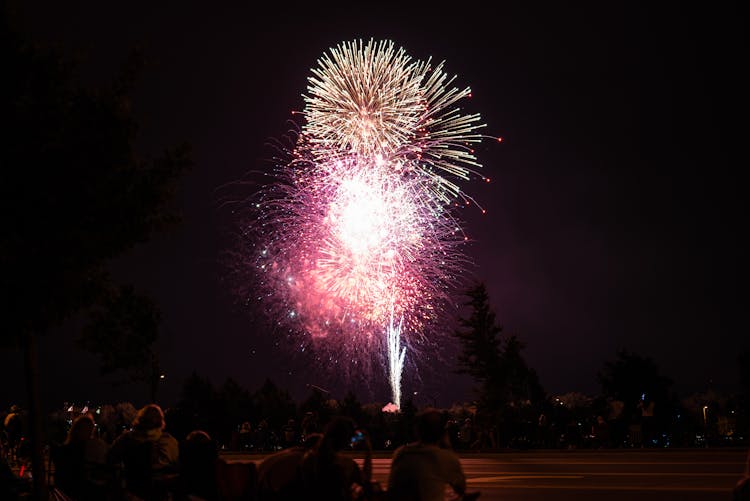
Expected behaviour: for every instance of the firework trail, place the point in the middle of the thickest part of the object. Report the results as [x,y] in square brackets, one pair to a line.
[358,226]
[396,356]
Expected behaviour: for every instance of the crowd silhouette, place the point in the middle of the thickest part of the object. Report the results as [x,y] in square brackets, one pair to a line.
[136,455]
[146,463]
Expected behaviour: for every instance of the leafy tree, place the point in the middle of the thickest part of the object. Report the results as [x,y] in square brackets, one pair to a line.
[744,367]
[273,404]
[744,362]
[405,422]
[351,406]
[197,393]
[631,379]
[317,403]
[235,406]
[122,331]
[645,394]
[73,195]
[196,409]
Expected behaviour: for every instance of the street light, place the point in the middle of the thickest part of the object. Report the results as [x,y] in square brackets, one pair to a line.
[705,422]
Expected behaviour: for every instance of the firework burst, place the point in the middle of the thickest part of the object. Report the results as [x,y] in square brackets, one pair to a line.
[370,100]
[357,229]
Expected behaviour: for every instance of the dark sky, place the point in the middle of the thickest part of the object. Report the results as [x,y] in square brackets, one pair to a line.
[614,216]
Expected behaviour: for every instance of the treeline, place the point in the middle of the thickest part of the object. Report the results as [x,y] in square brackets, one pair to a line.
[273,419]
[636,407]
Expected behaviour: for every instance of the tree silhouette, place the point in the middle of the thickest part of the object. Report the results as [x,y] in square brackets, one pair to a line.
[636,382]
[744,366]
[273,404]
[506,382]
[73,195]
[234,406]
[479,338]
[122,331]
[632,378]
[351,406]
[196,408]
[317,403]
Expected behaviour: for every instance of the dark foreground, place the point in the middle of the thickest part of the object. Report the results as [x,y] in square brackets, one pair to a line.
[704,474]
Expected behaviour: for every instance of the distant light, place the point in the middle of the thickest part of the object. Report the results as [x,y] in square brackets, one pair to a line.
[162,376]
[499,139]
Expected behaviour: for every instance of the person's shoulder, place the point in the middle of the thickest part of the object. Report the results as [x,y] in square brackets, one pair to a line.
[413,449]
[96,441]
[404,449]
[96,449]
[123,438]
[120,446]
[741,491]
[97,444]
[448,459]
[445,453]
[343,458]
[167,437]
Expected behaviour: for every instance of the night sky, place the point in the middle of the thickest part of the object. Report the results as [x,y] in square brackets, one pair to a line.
[614,216]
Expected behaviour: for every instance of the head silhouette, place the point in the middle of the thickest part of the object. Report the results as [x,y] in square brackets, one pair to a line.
[81,430]
[338,433]
[148,418]
[430,426]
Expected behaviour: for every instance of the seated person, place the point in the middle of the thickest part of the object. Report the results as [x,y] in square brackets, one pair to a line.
[198,467]
[741,491]
[328,474]
[149,455]
[428,469]
[80,462]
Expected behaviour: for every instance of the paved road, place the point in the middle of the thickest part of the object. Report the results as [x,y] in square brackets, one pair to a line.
[644,475]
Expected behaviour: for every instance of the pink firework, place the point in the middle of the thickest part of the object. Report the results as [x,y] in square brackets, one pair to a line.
[358,226]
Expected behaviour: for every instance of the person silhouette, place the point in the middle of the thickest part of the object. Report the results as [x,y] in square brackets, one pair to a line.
[427,469]
[13,427]
[328,474]
[741,491]
[149,455]
[198,465]
[279,474]
[80,462]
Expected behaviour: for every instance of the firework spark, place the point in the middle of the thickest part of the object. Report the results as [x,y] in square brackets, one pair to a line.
[358,229]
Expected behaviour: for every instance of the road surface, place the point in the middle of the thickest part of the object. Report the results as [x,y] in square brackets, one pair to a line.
[686,474]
